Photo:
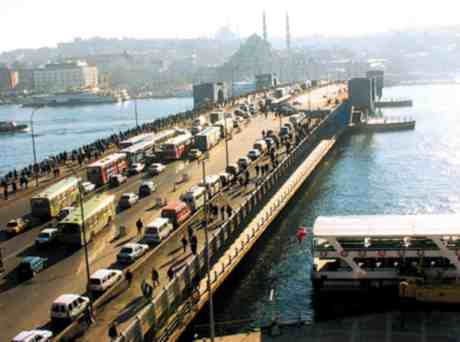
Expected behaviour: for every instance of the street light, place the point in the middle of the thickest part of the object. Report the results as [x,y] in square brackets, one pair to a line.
[226,141]
[135,112]
[208,263]
[33,141]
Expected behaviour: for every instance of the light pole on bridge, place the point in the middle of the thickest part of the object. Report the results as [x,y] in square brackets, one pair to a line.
[33,142]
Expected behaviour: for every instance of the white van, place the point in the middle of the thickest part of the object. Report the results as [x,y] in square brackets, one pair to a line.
[68,307]
[212,183]
[102,279]
[261,145]
[158,230]
[37,335]
[195,197]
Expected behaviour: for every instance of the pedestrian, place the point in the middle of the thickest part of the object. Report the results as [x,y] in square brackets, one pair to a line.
[155,278]
[194,244]
[171,273]
[257,170]
[263,133]
[5,191]
[139,225]
[129,277]
[15,186]
[222,212]
[229,211]
[184,243]
[190,231]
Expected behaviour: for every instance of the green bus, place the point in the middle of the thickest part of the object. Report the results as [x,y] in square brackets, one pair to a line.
[48,203]
[99,214]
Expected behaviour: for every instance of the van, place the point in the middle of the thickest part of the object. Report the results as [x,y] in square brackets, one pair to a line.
[158,230]
[261,145]
[68,307]
[212,184]
[195,197]
[177,212]
[31,265]
[38,335]
[102,279]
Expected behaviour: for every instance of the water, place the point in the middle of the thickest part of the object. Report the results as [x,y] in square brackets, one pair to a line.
[64,128]
[387,173]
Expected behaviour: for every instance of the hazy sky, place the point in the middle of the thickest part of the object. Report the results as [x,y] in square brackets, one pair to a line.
[35,23]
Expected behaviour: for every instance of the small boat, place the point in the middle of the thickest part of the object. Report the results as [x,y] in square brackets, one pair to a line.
[11,127]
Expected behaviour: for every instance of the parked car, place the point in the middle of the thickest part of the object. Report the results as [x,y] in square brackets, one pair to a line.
[102,279]
[135,168]
[31,265]
[64,212]
[195,153]
[15,226]
[147,188]
[131,252]
[225,178]
[243,163]
[46,237]
[87,186]
[156,168]
[117,180]
[68,307]
[233,169]
[253,154]
[270,142]
[37,335]
[127,200]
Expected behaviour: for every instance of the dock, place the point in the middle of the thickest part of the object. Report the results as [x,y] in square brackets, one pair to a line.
[385,124]
[392,103]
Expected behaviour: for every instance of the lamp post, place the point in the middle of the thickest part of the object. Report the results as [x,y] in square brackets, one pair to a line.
[208,263]
[33,141]
[226,141]
[135,113]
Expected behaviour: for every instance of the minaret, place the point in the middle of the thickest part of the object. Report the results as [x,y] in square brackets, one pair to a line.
[288,33]
[264,26]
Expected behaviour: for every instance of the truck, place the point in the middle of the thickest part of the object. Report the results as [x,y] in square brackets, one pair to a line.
[224,123]
[215,117]
[208,138]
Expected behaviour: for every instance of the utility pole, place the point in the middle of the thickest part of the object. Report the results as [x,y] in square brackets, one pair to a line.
[208,261]
[33,142]
[135,112]
[226,140]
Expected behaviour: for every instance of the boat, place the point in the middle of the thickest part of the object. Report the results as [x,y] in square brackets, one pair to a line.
[367,252]
[73,98]
[11,127]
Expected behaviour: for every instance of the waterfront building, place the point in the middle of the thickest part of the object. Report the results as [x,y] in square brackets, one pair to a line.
[266,81]
[361,94]
[62,76]
[8,79]
[377,75]
[209,93]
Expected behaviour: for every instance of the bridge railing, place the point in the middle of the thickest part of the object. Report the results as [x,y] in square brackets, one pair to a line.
[181,292]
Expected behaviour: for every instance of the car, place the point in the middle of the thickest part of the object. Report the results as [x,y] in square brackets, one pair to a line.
[87,186]
[31,265]
[127,200]
[15,226]
[233,169]
[46,237]
[270,142]
[68,307]
[102,279]
[131,252]
[37,335]
[243,163]
[226,178]
[195,153]
[253,154]
[117,180]
[156,168]
[135,168]
[64,212]
[146,188]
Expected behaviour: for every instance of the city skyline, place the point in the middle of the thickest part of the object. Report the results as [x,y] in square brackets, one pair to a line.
[51,22]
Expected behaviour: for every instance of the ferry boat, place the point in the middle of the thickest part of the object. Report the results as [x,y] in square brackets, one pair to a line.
[73,98]
[355,252]
[11,127]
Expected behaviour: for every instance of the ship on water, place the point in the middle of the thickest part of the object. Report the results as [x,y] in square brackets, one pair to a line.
[76,98]
[12,127]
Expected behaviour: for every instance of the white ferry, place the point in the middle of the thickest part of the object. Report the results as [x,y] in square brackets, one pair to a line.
[376,251]
[11,127]
[73,98]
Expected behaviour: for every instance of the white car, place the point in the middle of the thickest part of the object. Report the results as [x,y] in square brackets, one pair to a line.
[127,200]
[131,251]
[87,186]
[102,279]
[136,168]
[33,336]
[156,168]
[253,154]
[46,237]
[68,307]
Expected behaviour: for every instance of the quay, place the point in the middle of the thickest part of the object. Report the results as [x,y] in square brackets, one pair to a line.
[383,125]
[390,103]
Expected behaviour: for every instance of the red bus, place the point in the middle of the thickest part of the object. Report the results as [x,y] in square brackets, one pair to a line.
[177,212]
[100,171]
[174,148]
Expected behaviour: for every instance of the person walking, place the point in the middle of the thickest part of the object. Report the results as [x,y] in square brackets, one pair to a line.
[5,191]
[171,273]
[194,244]
[139,225]
[222,212]
[257,170]
[229,211]
[184,243]
[155,278]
